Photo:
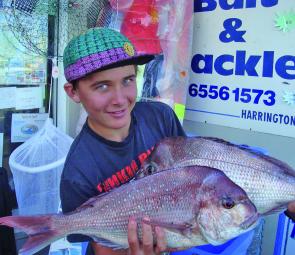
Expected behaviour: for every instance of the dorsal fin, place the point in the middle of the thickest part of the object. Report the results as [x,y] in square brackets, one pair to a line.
[281,165]
[89,203]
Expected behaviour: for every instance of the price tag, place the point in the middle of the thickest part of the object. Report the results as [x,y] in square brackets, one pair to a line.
[55,72]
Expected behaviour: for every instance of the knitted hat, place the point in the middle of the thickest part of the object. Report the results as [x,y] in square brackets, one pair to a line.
[99,49]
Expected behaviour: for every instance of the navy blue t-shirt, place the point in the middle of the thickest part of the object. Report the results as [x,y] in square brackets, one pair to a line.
[95,165]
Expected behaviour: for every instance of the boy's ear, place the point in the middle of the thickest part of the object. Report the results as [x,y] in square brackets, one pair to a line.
[71,92]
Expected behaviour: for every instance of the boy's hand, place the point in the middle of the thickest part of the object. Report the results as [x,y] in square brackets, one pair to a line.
[290,212]
[291,207]
[147,247]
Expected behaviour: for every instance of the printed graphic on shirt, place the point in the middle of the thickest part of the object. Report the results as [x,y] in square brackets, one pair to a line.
[125,174]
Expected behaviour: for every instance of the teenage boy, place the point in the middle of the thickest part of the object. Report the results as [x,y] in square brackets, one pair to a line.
[119,133]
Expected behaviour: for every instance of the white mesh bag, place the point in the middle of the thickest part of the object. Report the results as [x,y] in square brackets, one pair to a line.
[36,166]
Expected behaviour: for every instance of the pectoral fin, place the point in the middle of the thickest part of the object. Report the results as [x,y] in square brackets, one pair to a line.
[108,243]
[185,228]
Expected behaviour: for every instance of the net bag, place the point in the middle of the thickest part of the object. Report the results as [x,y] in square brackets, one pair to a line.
[36,166]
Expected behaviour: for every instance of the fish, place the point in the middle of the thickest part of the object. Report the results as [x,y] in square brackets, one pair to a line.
[194,205]
[268,182]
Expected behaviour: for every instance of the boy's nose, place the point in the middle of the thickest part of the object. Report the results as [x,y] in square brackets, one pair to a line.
[118,96]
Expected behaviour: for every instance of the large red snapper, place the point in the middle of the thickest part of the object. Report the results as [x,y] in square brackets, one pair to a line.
[194,205]
[268,182]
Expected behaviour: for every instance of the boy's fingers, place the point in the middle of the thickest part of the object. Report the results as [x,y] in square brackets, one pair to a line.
[161,240]
[132,237]
[147,238]
[291,207]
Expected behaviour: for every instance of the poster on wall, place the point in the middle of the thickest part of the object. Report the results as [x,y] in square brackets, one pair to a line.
[243,65]
[7,97]
[25,125]
[28,98]
[18,65]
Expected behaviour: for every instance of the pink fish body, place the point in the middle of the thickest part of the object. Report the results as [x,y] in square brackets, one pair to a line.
[269,183]
[194,205]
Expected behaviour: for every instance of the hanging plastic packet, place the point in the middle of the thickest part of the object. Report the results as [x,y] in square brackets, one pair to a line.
[36,166]
[140,25]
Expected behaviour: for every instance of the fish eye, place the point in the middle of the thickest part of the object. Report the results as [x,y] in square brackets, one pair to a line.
[228,202]
[150,169]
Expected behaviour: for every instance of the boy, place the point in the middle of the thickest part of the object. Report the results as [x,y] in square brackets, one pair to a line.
[100,67]
[119,133]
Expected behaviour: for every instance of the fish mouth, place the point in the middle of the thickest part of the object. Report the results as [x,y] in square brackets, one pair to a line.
[250,221]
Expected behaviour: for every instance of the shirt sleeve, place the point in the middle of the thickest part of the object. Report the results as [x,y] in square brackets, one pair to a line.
[177,127]
[174,126]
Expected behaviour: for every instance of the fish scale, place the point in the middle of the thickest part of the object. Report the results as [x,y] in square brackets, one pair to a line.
[108,219]
[179,200]
[261,188]
[269,183]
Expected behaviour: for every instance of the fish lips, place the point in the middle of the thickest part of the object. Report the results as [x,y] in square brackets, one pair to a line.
[251,222]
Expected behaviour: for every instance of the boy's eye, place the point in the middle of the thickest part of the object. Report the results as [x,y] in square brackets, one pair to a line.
[101,87]
[129,80]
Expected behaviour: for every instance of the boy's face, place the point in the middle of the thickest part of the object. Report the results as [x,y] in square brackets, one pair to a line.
[108,97]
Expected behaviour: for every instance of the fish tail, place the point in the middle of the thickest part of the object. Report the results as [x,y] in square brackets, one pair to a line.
[40,230]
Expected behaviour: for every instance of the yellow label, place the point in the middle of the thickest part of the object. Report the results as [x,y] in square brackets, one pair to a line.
[154,15]
[179,110]
[128,48]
